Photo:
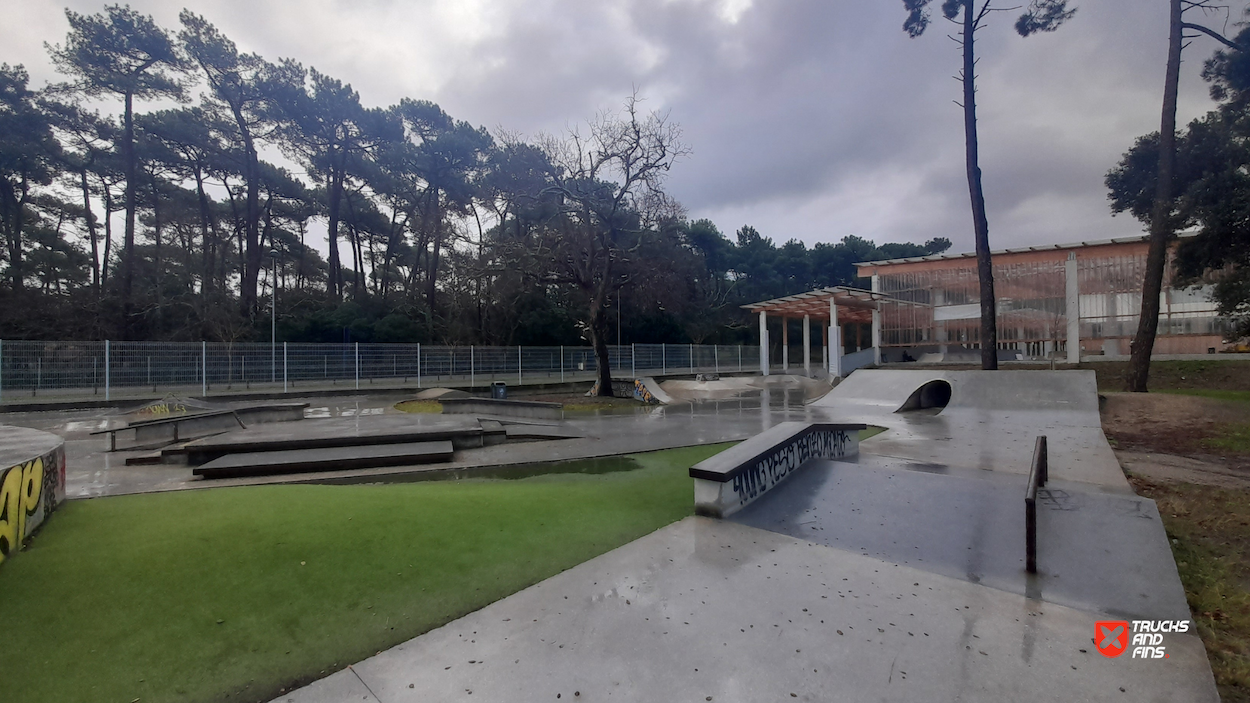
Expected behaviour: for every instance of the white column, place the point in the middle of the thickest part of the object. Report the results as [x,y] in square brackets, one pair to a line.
[1073,309]
[763,343]
[876,322]
[835,341]
[785,344]
[807,345]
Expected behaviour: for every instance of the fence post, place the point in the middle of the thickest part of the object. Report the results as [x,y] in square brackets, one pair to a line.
[561,363]
[663,360]
[2,369]
[357,365]
[716,357]
[418,365]
[518,364]
[691,358]
[284,374]
[472,371]
[633,360]
[107,369]
[203,369]
[739,358]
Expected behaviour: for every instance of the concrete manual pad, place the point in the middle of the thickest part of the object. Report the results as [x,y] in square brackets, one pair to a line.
[327,459]
[971,527]
[712,610]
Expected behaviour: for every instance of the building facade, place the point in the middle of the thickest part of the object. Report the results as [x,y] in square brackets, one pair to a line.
[1061,301]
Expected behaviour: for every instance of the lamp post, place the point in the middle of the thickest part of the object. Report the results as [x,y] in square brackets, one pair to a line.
[273,316]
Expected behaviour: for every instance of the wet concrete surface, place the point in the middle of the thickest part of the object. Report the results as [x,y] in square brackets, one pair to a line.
[92,471]
[708,610]
[971,527]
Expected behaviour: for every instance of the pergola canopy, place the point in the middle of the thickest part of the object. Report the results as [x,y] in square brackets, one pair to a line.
[855,305]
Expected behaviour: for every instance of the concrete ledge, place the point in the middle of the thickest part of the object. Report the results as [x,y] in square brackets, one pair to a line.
[727,482]
[496,406]
[32,483]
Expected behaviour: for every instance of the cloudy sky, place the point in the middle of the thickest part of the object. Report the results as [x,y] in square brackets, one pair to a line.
[808,119]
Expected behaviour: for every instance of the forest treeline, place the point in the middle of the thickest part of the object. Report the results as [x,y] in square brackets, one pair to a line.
[169,224]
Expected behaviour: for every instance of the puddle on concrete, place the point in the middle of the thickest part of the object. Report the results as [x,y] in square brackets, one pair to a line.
[604,465]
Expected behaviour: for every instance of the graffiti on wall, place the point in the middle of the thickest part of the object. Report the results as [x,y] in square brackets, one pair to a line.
[28,494]
[769,470]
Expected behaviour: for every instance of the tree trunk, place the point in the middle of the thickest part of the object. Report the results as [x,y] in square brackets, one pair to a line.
[206,276]
[91,231]
[11,207]
[598,339]
[435,245]
[128,241]
[980,224]
[1160,217]
[334,194]
[108,233]
[251,224]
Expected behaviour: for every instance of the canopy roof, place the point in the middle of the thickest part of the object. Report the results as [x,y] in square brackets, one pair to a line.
[854,304]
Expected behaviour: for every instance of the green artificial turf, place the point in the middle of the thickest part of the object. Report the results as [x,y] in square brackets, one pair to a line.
[233,594]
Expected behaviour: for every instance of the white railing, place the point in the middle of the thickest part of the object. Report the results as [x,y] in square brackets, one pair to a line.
[49,370]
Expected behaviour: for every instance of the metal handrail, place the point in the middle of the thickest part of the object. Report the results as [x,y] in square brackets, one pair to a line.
[1038,475]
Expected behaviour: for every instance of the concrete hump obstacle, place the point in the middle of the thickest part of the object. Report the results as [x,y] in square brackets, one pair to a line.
[734,478]
[32,483]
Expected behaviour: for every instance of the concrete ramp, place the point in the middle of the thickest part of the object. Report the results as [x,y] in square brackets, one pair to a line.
[980,390]
[989,422]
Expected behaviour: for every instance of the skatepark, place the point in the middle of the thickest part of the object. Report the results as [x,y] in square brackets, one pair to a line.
[894,568]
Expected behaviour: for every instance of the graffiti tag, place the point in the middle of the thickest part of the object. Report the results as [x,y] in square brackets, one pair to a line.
[21,488]
[770,470]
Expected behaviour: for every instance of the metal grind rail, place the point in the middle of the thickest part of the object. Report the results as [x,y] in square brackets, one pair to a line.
[1038,475]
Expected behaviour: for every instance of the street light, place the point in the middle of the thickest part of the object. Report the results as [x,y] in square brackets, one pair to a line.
[273,316]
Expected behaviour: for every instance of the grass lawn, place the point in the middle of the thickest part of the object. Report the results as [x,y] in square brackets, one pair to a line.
[1210,532]
[234,594]
[1216,393]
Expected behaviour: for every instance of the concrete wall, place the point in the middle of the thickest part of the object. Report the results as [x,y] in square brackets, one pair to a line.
[31,489]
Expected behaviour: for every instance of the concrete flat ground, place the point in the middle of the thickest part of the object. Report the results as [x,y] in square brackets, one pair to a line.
[92,471]
[705,609]
[895,577]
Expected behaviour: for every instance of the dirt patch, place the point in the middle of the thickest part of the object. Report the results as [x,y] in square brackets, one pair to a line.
[1209,531]
[1173,469]
[1181,425]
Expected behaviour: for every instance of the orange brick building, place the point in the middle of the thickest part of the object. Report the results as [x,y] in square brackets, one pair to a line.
[1064,301]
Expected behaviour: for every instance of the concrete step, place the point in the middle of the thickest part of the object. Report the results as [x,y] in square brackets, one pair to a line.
[463,432]
[325,459]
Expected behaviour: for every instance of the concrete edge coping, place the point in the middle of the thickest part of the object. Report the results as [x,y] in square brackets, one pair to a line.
[723,467]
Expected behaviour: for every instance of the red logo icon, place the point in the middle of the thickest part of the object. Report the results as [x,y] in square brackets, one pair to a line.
[1111,637]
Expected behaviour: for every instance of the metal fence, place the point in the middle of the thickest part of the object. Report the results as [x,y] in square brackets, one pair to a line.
[107,369]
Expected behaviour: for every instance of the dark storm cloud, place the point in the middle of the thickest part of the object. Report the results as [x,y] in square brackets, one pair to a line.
[806,119]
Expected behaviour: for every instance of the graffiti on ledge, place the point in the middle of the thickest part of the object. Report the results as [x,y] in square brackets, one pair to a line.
[28,493]
[771,469]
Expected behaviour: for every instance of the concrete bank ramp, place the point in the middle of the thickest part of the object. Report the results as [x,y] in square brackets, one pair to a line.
[986,420]
[1068,391]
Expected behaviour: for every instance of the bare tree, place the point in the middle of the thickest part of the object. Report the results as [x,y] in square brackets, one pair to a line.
[608,186]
